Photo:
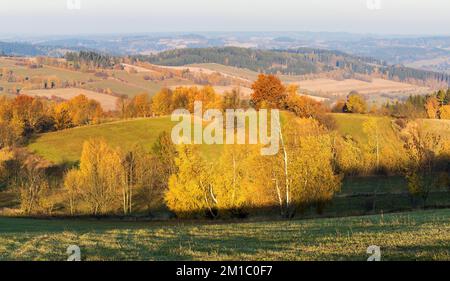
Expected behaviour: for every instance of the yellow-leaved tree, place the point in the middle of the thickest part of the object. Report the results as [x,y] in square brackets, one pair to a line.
[233,178]
[190,190]
[100,177]
[303,170]
[444,112]
[161,102]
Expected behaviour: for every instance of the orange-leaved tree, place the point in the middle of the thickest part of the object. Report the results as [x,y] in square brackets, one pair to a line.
[268,91]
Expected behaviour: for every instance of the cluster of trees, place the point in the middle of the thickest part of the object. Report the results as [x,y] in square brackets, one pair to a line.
[300,175]
[23,116]
[437,105]
[433,106]
[108,180]
[138,106]
[354,103]
[269,92]
[167,100]
[428,157]
[90,59]
[111,180]
[413,107]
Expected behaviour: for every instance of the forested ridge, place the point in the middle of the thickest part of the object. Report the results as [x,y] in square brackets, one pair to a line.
[294,62]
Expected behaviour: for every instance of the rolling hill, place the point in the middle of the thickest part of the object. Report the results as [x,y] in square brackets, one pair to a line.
[108,102]
[66,145]
[299,61]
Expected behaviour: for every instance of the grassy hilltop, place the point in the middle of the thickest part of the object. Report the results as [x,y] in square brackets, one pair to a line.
[66,145]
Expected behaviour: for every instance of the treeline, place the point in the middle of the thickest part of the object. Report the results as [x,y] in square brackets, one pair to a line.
[23,116]
[300,61]
[432,106]
[437,105]
[92,59]
[21,49]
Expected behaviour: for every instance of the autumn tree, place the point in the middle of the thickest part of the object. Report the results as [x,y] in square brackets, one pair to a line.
[32,185]
[72,187]
[100,177]
[180,98]
[62,116]
[268,90]
[5,155]
[84,111]
[142,105]
[444,112]
[233,183]
[12,133]
[374,143]
[136,167]
[355,103]
[165,153]
[432,107]
[233,99]
[422,148]
[441,97]
[161,102]
[121,106]
[302,172]
[191,190]
[303,107]
[348,155]
[5,108]
[151,182]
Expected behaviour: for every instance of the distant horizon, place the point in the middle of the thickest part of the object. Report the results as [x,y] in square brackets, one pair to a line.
[218,33]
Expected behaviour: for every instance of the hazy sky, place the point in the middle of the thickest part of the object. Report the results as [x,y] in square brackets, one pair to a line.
[119,16]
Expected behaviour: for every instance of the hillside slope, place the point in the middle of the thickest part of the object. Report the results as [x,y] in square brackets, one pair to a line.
[296,61]
[66,145]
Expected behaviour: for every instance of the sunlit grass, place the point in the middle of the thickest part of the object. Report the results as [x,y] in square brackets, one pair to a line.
[409,236]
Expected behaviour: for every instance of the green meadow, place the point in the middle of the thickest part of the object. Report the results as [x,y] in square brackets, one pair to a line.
[421,235]
[66,145]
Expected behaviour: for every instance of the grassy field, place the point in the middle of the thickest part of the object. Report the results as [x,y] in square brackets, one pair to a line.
[437,126]
[423,235]
[66,145]
[352,124]
[107,102]
[344,87]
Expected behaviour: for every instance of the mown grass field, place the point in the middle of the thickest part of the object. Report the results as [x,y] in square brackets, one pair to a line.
[423,235]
